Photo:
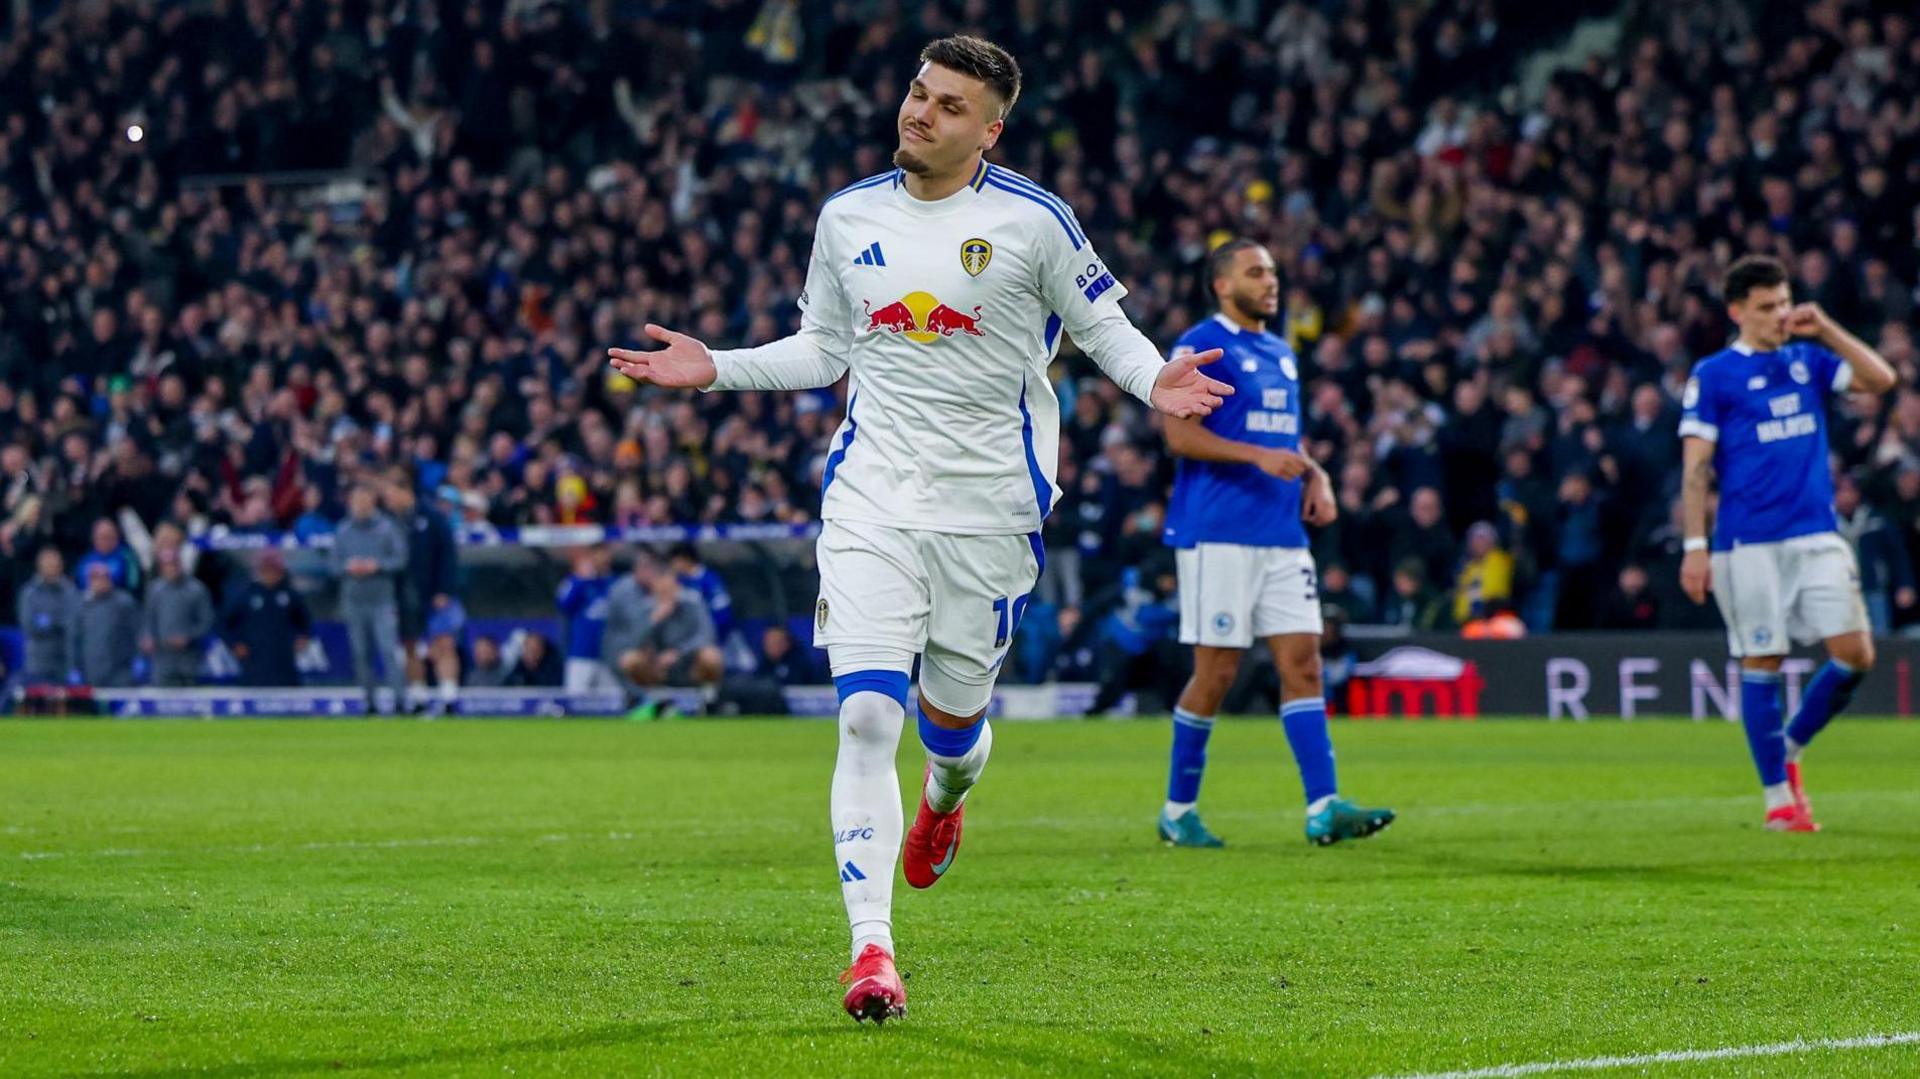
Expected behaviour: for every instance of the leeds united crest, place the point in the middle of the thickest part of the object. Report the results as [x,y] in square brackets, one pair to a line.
[974,255]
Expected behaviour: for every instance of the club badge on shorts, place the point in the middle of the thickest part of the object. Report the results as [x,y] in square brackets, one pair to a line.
[974,255]
[820,614]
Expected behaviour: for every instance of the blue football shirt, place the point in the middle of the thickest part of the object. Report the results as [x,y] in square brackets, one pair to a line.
[1218,502]
[1766,414]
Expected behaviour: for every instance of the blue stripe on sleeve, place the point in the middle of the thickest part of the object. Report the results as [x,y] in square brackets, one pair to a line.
[1007,177]
[993,180]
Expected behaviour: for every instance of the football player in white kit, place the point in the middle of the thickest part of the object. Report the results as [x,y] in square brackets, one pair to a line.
[1755,419]
[940,288]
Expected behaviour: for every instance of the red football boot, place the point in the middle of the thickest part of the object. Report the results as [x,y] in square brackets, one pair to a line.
[1799,790]
[931,843]
[1793,818]
[874,989]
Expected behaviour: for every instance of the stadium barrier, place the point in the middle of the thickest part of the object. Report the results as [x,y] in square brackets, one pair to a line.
[1582,676]
[471,535]
[1559,677]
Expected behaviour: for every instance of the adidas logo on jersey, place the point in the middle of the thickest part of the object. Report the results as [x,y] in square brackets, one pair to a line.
[871,256]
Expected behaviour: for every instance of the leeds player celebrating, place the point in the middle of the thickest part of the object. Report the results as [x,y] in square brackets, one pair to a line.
[1755,417]
[1241,554]
[942,287]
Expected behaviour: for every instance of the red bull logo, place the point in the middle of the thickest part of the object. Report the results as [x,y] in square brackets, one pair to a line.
[922,318]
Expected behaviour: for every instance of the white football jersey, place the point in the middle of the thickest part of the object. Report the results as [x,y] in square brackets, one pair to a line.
[947,314]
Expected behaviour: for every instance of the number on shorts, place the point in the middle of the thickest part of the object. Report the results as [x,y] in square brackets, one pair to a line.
[1007,618]
[1312,583]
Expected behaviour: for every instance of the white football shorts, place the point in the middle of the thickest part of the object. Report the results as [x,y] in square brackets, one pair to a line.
[1232,594]
[953,600]
[1804,589]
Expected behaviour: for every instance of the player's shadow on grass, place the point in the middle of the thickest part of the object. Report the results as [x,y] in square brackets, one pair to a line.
[598,1037]
[705,1034]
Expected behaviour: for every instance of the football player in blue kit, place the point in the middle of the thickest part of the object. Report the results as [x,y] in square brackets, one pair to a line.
[1241,493]
[1755,419]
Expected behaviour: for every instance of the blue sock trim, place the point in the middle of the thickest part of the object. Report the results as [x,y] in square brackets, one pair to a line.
[1187,762]
[948,741]
[1305,722]
[1827,693]
[886,683]
[1760,706]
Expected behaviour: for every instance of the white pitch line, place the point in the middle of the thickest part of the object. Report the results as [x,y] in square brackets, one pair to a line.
[1677,1056]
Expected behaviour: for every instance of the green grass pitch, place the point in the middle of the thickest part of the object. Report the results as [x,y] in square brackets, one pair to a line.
[597,898]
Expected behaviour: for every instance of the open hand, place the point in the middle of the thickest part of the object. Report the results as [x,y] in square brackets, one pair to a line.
[1182,391]
[685,363]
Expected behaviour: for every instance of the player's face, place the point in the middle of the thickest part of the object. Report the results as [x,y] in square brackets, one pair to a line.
[1762,316]
[946,119]
[1252,284]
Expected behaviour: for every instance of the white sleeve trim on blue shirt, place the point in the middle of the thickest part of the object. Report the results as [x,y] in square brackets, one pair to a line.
[1842,377]
[1695,427]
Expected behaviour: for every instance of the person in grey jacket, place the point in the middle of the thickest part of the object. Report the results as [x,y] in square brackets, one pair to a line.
[660,633]
[179,615]
[369,551]
[106,635]
[46,608]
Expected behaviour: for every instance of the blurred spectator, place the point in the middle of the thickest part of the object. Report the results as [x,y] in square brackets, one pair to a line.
[430,585]
[1581,571]
[178,617]
[369,552]
[1886,574]
[538,666]
[784,662]
[582,600]
[48,607]
[106,631]
[1136,651]
[1631,604]
[659,632]
[1337,590]
[266,623]
[697,575]
[1486,575]
[1413,602]
[1420,535]
[110,551]
[488,670]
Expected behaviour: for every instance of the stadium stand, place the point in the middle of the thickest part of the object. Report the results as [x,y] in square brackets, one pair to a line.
[251,253]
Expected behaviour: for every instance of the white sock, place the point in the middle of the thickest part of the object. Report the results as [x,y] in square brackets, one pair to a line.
[1793,751]
[1777,795]
[867,815]
[950,778]
[1176,810]
[1320,803]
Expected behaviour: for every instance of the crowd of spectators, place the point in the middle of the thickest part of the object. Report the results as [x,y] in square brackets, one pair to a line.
[1496,294]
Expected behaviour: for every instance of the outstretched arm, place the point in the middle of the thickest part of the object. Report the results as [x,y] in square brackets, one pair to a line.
[1176,387]
[816,356]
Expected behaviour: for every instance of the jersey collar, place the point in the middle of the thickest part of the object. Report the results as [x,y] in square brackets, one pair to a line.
[959,200]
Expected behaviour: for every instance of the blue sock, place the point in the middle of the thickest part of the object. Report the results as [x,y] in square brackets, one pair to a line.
[1832,687]
[1305,721]
[1760,714]
[1189,759]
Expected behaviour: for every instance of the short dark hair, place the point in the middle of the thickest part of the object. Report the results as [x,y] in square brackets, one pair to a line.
[1750,272]
[1220,259]
[978,58]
